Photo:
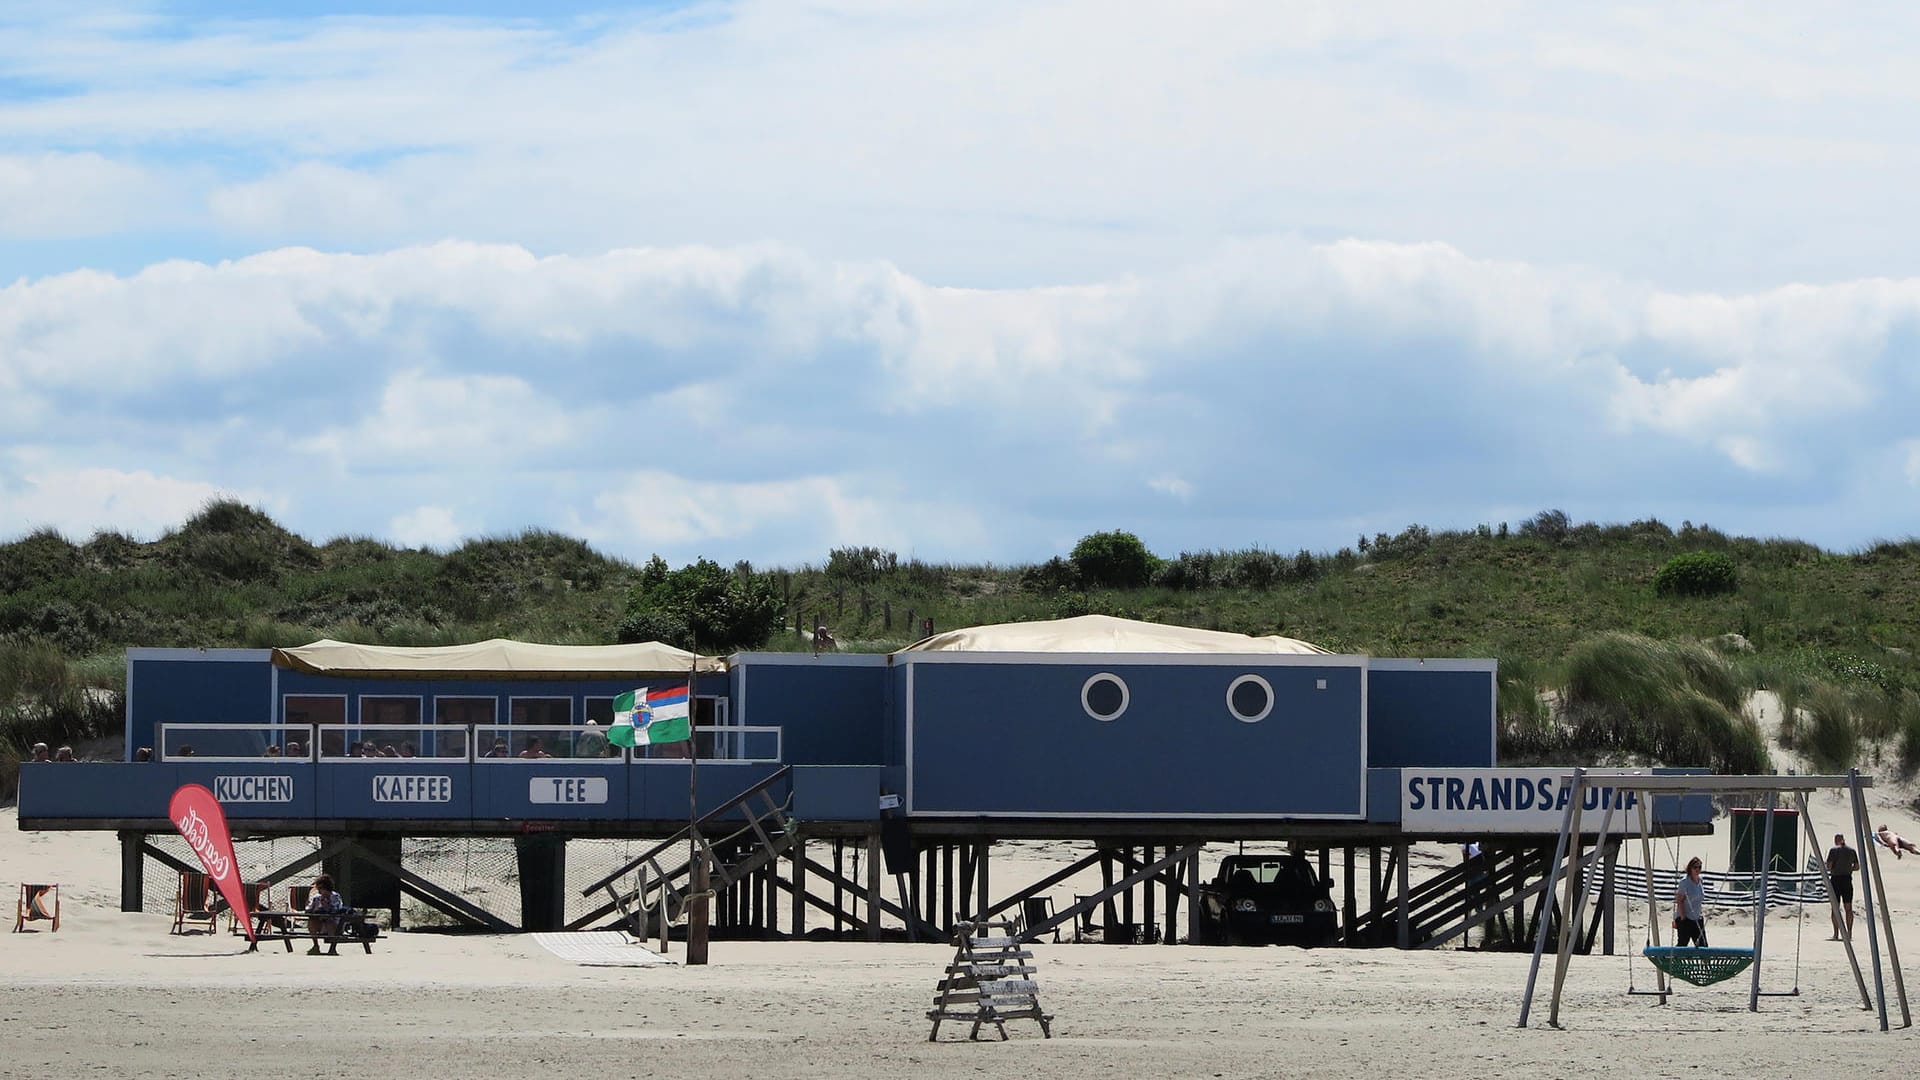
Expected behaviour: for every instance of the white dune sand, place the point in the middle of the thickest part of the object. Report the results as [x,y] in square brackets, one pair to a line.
[115,994]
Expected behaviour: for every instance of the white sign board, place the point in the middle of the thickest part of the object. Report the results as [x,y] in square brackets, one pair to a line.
[242,789]
[413,789]
[567,790]
[1489,801]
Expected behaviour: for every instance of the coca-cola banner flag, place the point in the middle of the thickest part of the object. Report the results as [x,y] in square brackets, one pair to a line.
[197,814]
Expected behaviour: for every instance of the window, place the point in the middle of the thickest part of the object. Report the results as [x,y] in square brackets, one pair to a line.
[389,710]
[550,711]
[463,710]
[1104,696]
[1249,699]
[299,709]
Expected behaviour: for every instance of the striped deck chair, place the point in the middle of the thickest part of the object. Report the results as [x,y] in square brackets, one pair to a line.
[37,902]
[193,902]
[255,893]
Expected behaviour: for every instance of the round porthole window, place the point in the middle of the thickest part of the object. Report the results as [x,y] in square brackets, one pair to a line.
[1104,696]
[1249,699]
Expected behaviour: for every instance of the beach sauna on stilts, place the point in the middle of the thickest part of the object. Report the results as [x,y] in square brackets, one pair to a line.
[854,796]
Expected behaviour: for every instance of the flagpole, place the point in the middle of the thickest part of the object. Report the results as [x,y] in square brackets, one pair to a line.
[698,881]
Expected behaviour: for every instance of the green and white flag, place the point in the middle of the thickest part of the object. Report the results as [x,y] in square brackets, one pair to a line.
[629,716]
[651,717]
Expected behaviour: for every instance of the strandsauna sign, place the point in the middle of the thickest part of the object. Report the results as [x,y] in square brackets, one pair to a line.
[1506,801]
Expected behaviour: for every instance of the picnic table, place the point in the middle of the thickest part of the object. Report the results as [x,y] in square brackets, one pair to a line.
[351,927]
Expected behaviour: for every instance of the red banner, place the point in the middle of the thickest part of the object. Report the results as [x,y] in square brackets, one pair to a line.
[197,814]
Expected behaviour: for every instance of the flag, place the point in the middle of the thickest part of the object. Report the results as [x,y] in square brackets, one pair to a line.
[197,814]
[670,716]
[629,716]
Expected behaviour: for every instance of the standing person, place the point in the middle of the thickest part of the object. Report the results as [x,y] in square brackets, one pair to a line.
[1842,861]
[1690,907]
[324,908]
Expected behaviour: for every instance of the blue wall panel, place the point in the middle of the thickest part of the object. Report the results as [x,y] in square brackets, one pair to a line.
[829,710]
[1013,739]
[1434,716]
[836,792]
[219,687]
[553,789]
[661,793]
[396,788]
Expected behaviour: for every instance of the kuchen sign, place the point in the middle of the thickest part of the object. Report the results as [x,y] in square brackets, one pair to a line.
[1532,801]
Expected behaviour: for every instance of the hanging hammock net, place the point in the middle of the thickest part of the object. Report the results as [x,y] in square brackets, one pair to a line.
[1701,967]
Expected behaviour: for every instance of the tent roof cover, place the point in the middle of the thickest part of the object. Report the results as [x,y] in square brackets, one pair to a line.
[1105,634]
[498,658]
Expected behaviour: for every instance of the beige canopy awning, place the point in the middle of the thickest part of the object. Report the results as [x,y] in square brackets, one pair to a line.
[495,659]
[1105,634]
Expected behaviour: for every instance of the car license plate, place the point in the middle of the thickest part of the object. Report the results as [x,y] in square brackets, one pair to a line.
[1289,918]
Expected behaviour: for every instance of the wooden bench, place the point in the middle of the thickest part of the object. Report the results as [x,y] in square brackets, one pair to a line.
[280,926]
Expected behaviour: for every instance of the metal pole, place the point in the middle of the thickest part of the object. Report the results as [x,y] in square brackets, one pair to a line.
[1886,924]
[1653,897]
[1568,915]
[1553,874]
[696,860]
[1760,909]
[1833,903]
[1866,894]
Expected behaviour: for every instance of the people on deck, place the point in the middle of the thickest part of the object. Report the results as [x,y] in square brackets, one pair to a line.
[1894,842]
[145,753]
[324,908]
[65,753]
[273,750]
[499,749]
[40,752]
[1690,907]
[534,749]
[1842,861]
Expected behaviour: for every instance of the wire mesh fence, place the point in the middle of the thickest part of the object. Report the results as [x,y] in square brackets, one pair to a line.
[481,870]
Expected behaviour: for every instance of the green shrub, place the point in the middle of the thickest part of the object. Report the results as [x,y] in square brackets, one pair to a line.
[720,611]
[1113,560]
[1697,573]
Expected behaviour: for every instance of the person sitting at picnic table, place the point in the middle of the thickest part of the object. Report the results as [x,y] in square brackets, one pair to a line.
[1894,842]
[534,749]
[324,908]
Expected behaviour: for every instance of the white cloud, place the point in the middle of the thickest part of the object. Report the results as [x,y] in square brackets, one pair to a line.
[428,526]
[1169,484]
[81,501]
[1016,143]
[53,194]
[756,400]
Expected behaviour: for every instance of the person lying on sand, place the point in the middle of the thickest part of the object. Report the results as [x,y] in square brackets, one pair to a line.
[1894,842]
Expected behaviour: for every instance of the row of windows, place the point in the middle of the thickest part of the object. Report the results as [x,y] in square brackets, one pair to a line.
[1105,697]
[386,709]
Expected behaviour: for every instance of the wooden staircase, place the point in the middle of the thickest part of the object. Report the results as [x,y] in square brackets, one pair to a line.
[990,981]
[739,837]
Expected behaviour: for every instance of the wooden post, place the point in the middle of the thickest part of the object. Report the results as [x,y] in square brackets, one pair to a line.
[1173,903]
[697,910]
[982,896]
[1404,929]
[799,863]
[873,884]
[1193,896]
[133,870]
[839,890]
[1352,910]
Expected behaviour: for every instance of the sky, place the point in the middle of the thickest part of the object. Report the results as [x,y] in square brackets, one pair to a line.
[966,281]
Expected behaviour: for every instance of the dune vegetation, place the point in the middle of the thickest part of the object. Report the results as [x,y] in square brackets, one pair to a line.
[1617,643]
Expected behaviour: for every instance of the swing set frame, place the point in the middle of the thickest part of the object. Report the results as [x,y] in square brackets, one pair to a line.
[1580,781]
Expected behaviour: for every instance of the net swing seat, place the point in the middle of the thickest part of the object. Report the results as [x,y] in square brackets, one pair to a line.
[1698,965]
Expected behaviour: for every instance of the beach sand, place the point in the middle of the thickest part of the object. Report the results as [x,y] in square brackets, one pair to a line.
[115,994]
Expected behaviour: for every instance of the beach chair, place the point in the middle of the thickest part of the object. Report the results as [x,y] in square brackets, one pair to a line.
[253,892]
[37,902]
[1035,911]
[193,902]
[297,896]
